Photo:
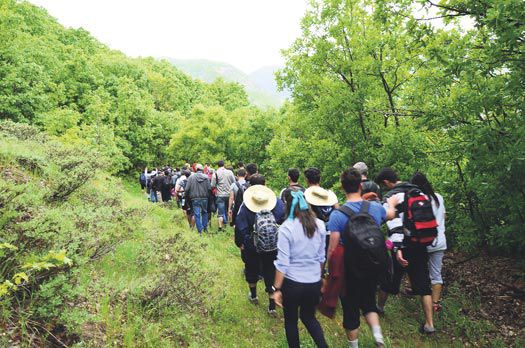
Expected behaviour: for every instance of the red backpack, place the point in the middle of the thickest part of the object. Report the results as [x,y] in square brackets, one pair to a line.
[418,220]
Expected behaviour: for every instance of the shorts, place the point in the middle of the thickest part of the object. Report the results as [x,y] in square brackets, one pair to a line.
[417,270]
[360,295]
[255,262]
[435,263]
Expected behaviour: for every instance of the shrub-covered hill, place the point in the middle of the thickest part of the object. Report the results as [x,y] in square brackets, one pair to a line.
[74,257]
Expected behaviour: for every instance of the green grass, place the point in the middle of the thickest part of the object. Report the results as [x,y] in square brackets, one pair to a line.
[230,320]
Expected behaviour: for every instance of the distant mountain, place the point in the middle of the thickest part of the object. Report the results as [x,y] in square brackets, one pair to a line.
[260,85]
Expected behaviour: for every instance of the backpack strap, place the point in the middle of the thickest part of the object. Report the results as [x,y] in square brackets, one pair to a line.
[346,210]
[365,206]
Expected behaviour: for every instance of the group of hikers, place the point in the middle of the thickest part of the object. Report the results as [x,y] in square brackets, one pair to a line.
[310,251]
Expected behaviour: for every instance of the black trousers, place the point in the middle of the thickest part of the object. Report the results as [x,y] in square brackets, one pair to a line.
[417,270]
[301,300]
[255,262]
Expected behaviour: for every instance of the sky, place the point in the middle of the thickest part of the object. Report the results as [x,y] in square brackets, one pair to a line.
[248,34]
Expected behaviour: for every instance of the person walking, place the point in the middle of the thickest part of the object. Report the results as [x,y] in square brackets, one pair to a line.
[293,183]
[300,258]
[197,190]
[407,256]
[222,180]
[436,250]
[367,186]
[360,286]
[236,195]
[259,216]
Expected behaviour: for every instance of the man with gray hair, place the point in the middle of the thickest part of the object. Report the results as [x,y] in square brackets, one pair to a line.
[366,185]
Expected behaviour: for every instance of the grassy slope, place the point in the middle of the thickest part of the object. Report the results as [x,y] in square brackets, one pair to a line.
[231,321]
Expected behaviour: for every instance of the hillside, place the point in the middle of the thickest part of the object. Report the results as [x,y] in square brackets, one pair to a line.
[260,84]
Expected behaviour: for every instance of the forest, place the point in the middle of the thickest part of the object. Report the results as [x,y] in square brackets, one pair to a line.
[435,86]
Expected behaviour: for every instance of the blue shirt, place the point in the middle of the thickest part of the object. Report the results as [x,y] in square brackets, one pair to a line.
[338,219]
[299,258]
[245,220]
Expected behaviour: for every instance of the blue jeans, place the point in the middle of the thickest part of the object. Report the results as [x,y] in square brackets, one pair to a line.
[200,211]
[153,196]
[222,202]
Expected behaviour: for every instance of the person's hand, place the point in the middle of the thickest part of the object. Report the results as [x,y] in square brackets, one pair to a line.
[400,259]
[230,214]
[242,247]
[393,201]
[277,296]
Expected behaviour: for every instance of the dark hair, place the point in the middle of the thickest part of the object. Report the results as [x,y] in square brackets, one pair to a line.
[167,172]
[351,180]
[240,164]
[387,174]
[419,179]
[306,217]
[294,173]
[177,169]
[241,172]
[251,169]
[186,172]
[257,179]
[220,163]
[313,175]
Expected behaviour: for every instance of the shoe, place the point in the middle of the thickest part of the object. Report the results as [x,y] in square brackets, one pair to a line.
[380,345]
[425,330]
[205,230]
[253,300]
[380,311]
[408,292]
[272,313]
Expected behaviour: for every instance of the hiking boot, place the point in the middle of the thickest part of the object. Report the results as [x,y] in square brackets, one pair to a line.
[272,313]
[253,300]
[425,330]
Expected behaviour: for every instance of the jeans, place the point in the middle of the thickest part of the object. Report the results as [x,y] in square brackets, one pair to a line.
[153,196]
[222,203]
[200,210]
[301,300]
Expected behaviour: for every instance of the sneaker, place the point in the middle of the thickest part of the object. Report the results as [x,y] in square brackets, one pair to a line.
[272,313]
[380,345]
[380,311]
[425,330]
[253,300]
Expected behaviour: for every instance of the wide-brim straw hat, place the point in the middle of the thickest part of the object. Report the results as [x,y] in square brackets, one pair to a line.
[316,195]
[258,198]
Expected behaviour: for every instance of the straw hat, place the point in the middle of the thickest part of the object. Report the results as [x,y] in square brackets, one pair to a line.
[320,197]
[259,197]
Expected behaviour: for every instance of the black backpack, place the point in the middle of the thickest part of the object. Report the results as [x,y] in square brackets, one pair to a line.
[238,199]
[365,250]
[418,219]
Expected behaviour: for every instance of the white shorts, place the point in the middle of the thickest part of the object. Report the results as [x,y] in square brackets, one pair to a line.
[435,263]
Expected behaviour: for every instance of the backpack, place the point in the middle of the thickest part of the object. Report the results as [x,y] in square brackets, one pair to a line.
[419,221]
[322,212]
[265,232]
[237,200]
[365,249]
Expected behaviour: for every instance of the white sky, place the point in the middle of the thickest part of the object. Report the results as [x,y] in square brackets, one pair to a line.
[246,33]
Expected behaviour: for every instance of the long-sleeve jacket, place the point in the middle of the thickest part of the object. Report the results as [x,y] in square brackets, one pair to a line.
[395,226]
[198,186]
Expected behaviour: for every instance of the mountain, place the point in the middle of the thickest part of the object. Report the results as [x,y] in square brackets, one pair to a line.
[260,85]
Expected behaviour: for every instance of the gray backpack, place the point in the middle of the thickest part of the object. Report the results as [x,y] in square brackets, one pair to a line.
[265,231]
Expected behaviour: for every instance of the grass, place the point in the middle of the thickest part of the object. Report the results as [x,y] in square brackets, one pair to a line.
[115,281]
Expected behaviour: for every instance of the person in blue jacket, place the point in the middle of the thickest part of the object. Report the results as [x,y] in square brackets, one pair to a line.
[254,262]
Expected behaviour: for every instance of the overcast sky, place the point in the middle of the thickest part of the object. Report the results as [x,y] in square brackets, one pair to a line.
[246,33]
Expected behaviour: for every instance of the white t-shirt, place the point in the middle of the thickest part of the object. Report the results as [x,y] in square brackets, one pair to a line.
[440,243]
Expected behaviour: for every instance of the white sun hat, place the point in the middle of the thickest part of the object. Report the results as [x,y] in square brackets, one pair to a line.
[316,195]
[258,198]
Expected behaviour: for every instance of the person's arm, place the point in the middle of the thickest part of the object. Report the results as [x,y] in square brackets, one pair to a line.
[230,204]
[242,227]
[321,252]
[281,264]
[391,210]
[214,180]
[335,237]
